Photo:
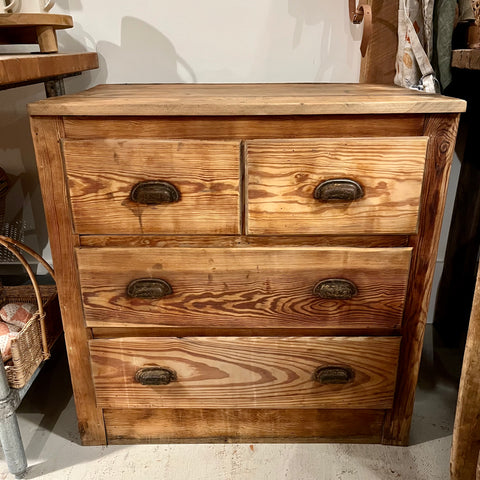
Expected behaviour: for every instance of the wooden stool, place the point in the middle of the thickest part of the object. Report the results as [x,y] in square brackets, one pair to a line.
[26,28]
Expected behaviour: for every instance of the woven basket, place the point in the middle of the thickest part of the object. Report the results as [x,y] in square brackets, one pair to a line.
[32,345]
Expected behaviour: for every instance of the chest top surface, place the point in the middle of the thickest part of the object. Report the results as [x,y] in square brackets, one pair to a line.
[246,99]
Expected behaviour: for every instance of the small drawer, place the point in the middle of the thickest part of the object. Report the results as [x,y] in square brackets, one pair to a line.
[153,186]
[250,287]
[335,186]
[248,372]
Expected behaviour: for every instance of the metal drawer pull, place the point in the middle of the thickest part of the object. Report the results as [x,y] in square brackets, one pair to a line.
[335,288]
[338,189]
[149,288]
[155,376]
[154,192]
[333,375]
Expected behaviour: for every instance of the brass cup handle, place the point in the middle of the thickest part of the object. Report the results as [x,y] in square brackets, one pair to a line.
[335,289]
[149,288]
[155,192]
[155,376]
[333,374]
[338,189]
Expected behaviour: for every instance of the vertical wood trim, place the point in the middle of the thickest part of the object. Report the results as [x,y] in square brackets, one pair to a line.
[378,65]
[47,133]
[466,433]
[442,130]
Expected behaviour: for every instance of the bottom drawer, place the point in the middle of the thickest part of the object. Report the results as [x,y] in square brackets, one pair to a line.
[167,425]
[245,372]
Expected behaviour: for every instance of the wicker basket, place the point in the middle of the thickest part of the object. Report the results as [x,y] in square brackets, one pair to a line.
[32,345]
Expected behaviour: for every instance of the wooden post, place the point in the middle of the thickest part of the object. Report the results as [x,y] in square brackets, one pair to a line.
[378,65]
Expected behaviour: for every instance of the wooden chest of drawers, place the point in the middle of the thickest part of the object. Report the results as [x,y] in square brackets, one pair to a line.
[244,262]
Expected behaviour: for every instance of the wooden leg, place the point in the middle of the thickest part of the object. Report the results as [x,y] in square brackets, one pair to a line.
[9,432]
[54,88]
[466,433]
[47,39]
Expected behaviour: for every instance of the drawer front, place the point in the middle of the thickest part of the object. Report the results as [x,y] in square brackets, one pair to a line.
[244,287]
[249,372]
[335,186]
[153,186]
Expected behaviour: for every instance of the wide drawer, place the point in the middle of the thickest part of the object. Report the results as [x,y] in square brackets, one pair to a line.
[244,287]
[248,372]
[335,186]
[153,186]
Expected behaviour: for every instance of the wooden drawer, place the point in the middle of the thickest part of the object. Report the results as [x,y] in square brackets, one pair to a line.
[125,186]
[385,174]
[248,372]
[245,287]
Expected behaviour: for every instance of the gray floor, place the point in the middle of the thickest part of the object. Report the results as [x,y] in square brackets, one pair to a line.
[48,425]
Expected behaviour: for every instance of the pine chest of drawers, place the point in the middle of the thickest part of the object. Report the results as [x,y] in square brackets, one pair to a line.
[244,262]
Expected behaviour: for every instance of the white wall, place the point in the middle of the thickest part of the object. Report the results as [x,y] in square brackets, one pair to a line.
[179,41]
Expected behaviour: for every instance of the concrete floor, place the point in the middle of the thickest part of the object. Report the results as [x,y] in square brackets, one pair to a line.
[48,425]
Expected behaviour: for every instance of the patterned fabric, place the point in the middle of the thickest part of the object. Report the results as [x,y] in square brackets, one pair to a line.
[7,334]
[13,316]
[415,46]
[17,314]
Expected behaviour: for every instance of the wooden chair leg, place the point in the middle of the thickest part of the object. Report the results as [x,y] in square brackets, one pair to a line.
[47,39]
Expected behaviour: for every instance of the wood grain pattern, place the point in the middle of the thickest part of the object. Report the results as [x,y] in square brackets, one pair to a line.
[246,99]
[243,372]
[233,241]
[33,67]
[244,127]
[378,65]
[466,433]
[442,130]
[228,349]
[282,176]
[242,425]
[252,287]
[102,173]
[47,133]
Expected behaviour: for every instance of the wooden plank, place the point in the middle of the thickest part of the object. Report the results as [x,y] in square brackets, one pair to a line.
[245,99]
[35,19]
[283,175]
[466,432]
[378,65]
[250,288]
[442,130]
[233,241]
[246,372]
[102,173]
[35,67]
[242,425]
[47,133]
[467,59]
[244,128]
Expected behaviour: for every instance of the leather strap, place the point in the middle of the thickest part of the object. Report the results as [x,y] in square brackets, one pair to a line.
[357,14]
